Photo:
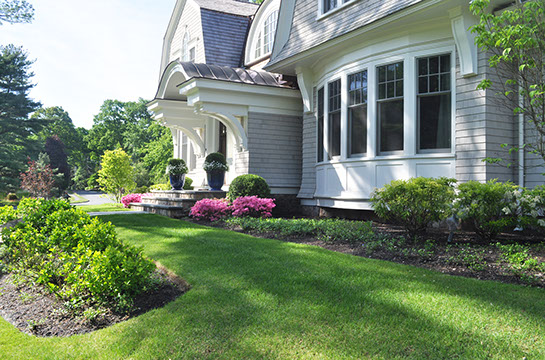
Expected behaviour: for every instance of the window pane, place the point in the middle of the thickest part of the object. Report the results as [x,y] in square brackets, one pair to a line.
[445,63]
[382,91]
[445,82]
[382,74]
[435,121]
[434,65]
[334,138]
[390,72]
[391,125]
[399,70]
[390,92]
[434,83]
[399,88]
[358,129]
[423,66]
[423,84]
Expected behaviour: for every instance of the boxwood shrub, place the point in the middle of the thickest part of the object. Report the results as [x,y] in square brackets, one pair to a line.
[248,185]
[415,203]
[73,255]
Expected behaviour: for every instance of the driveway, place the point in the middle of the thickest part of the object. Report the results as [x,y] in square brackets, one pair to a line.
[94,197]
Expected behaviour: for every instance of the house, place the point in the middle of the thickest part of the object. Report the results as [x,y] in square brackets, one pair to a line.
[329,99]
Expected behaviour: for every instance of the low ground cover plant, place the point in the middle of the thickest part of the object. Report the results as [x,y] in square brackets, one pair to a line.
[415,203]
[74,256]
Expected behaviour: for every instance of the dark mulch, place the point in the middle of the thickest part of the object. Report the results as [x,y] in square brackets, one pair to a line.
[36,312]
[494,269]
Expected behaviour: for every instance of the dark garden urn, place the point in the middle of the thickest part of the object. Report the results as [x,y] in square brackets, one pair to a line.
[215,179]
[177,181]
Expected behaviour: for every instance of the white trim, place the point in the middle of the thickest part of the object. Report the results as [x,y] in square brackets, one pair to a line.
[461,21]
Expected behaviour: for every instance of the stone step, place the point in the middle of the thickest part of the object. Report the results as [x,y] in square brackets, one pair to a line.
[175,212]
[168,201]
[188,194]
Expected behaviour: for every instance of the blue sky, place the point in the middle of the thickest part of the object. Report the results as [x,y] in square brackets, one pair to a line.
[90,51]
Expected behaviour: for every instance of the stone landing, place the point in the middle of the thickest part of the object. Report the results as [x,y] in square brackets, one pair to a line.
[174,203]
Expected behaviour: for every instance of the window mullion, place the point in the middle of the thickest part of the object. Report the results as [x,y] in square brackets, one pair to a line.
[410,111]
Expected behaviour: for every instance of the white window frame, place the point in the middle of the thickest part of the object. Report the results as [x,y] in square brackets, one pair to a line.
[410,102]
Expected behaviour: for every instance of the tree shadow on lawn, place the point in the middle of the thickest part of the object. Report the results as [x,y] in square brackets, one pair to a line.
[259,297]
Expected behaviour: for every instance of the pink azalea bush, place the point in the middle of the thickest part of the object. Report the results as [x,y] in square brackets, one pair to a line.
[253,206]
[210,209]
[132,198]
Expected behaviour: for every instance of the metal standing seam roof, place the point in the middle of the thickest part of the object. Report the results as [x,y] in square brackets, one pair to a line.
[236,75]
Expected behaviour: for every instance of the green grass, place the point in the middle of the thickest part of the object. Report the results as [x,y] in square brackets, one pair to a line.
[103,208]
[258,298]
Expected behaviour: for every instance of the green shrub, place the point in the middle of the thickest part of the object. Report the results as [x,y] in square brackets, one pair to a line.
[415,203]
[76,257]
[12,197]
[176,167]
[7,214]
[187,183]
[216,156]
[141,190]
[337,230]
[491,207]
[248,185]
[532,206]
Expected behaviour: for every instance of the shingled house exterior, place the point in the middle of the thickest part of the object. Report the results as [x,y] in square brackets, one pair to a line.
[329,99]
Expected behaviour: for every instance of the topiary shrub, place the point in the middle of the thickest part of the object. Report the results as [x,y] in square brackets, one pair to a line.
[491,207]
[12,197]
[253,206]
[415,203]
[216,156]
[187,183]
[248,185]
[176,167]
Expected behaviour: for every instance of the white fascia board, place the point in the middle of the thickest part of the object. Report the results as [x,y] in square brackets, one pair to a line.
[283,27]
[311,54]
[250,96]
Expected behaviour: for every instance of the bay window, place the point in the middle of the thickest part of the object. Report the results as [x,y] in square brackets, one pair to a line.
[390,107]
[357,113]
[434,103]
[334,119]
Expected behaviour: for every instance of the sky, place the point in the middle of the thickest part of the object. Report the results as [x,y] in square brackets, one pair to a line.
[89,51]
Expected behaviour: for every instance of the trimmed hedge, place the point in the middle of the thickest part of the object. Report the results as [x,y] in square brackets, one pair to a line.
[248,185]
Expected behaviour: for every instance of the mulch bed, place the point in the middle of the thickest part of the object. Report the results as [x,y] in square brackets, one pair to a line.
[494,269]
[36,312]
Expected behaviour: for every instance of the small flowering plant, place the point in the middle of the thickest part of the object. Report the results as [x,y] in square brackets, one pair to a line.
[253,206]
[215,166]
[132,198]
[210,209]
[176,167]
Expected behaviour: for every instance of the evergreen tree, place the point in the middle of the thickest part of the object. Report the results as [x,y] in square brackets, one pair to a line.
[54,148]
[15,106]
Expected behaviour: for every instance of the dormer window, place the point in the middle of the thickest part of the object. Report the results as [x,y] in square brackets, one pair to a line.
[329,5]
[262,32]
[188,51]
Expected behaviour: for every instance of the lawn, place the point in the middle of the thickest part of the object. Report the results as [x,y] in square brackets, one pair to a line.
[103,208]
[257,298]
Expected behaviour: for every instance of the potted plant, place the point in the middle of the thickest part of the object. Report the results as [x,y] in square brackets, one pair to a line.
[215,166]
[176,170]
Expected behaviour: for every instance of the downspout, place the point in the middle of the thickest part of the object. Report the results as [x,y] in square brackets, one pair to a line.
[521,141]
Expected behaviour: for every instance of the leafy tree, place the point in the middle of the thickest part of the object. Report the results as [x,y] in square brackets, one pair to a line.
[515,38]
[39,179]
[57,122]
[15,106]
[116,175]
[16,11]
[157,153]
[59,161]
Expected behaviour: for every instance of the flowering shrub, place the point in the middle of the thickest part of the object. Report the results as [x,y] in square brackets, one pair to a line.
[210,209]
[132,198]
[253,206]
[532,206]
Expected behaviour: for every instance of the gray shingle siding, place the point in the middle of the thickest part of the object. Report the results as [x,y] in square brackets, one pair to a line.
[274,144]
[224,37]
[308,32]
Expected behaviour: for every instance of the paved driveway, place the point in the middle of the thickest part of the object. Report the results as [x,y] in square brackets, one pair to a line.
[94,197]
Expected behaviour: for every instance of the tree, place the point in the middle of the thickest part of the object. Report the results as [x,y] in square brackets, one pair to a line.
[15,11]
[59,161]
[15,106]
[57,122]
[157,153]
[116,175]
[515,38]
[39,179]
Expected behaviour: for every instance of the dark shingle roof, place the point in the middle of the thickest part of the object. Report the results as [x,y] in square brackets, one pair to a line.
[224,37]
[237,75]
[236,7]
